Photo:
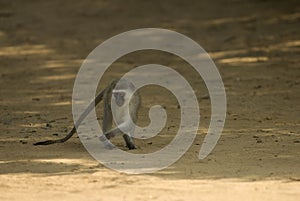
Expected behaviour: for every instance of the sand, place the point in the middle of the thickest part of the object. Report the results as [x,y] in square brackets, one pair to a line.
[255,45]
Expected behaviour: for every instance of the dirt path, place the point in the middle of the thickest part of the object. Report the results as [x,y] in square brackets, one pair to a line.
[255,45]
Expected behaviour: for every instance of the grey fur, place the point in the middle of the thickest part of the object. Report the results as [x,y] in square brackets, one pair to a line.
[106,96]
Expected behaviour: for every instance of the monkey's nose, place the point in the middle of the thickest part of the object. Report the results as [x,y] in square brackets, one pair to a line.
[119,102]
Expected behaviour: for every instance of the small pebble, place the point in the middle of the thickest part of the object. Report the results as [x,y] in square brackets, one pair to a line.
[23,142]
[259,141]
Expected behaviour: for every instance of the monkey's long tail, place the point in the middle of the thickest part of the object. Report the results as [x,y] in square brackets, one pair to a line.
[93,104]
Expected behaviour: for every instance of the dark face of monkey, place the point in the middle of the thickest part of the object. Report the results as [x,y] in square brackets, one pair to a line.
[119,98]
[122,91]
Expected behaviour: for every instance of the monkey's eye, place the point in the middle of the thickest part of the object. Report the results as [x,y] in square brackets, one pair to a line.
[119,95]
[122,94]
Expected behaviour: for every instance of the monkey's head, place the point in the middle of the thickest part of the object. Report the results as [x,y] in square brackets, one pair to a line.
[119,97]
[122,92]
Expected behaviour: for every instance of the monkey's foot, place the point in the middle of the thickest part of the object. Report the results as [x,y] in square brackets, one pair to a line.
[106,142]
[130,146]
[129,142]
[109,146]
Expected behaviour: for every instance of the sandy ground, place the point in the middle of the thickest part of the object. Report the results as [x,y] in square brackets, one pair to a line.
[255,45]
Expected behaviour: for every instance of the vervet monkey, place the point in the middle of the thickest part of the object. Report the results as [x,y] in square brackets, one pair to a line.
[121,94]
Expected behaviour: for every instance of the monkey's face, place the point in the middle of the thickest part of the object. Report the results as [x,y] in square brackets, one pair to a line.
[120,98]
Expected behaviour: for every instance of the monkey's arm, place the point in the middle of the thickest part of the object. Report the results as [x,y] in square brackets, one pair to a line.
[93,104]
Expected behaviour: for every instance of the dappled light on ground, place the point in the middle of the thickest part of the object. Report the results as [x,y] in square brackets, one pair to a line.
[255,45]
[25,50]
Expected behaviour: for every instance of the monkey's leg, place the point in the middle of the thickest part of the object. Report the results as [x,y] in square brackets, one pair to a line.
[107,135]
[106,126]
[112,133]
[128,139]
[127,135]
[107,119]
[129,142]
